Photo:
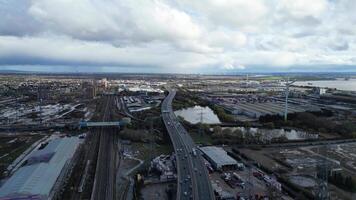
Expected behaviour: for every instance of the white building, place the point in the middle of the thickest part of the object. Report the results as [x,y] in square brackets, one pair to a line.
[218,158]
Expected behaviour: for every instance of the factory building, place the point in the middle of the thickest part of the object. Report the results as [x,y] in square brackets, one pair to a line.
[165,165]
[89,90]
[43,173]
[218,158]
[256,110]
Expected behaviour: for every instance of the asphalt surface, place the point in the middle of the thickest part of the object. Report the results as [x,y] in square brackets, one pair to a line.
[193,180]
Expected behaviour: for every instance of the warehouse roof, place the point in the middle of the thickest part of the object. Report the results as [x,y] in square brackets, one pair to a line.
[50,148]
[218,155]
[39,178]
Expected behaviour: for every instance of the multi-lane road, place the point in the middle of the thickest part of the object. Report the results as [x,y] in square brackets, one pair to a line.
[193,180]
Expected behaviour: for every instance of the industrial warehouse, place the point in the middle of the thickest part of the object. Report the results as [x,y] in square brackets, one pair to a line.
[256,110]
[256,106]
[44,171]
[218,158]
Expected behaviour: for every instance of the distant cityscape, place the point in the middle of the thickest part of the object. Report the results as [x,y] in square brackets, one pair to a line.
[178,100]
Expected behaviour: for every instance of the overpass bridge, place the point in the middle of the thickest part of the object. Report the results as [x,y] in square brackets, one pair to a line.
[122,122]
[56,126]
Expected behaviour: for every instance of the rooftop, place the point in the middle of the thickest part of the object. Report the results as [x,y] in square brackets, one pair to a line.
[218,155]
[39,178]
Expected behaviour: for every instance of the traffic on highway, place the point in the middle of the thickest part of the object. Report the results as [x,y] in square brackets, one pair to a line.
[193,180]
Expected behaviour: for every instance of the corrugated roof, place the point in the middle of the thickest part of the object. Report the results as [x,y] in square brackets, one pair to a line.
[218,155]
[50,148]
[39,178]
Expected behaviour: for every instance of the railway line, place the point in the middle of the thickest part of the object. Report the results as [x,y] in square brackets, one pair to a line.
[105,173]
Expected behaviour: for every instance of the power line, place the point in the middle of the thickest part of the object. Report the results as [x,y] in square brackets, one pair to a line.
[323,168]
[288,84]
[201,131]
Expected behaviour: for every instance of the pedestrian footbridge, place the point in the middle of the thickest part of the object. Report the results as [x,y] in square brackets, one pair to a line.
[124,121]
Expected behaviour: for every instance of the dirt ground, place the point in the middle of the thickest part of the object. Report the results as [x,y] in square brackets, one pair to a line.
[155,192]
[311,157]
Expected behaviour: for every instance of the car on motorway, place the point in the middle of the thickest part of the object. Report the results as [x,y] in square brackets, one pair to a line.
[188,158]
[194,152]
[258,175]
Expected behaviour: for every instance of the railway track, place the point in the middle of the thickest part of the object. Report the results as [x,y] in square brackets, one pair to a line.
[105,173]
[90,154]
[100,151]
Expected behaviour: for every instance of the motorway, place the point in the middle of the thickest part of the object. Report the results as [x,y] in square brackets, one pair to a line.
[193,180]
[105,173]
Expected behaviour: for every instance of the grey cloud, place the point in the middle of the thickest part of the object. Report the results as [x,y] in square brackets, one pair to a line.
[121,22]
[341,46]
[15,19]
[179,35]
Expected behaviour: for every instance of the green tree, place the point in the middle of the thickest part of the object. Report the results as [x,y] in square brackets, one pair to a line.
[238,134]
[226,132]
[248,137]
[258,136]
[218,130]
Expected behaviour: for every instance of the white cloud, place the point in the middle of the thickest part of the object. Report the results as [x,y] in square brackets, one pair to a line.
[134,21]
[303,8]
[226,39]
[63,50]
[179,35]
[236,14]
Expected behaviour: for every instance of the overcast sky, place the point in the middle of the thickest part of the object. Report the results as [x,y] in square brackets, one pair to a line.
[184,36]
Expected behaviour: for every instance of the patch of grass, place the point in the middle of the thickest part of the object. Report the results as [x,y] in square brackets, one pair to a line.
[203,139]
[145,150]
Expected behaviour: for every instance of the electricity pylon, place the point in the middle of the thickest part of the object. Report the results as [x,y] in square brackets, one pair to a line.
[288,84]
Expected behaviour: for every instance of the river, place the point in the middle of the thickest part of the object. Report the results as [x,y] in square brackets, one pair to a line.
[340,84]
[193,115]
